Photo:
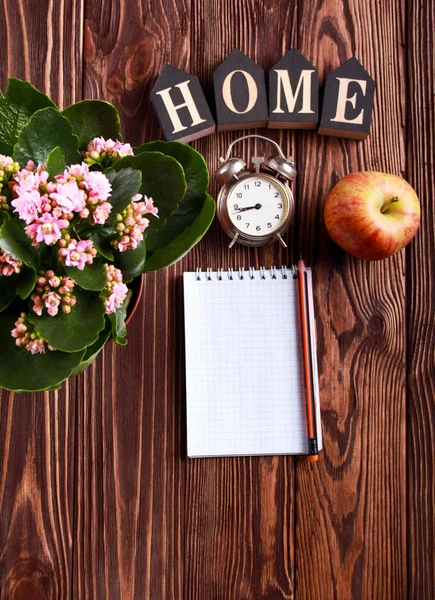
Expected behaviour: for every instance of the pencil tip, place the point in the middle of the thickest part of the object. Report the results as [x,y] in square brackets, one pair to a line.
[313,458]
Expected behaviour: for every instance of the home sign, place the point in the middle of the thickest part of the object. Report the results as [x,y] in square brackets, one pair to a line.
[291,100]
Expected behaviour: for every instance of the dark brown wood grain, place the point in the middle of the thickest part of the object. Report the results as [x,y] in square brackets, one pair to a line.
[240,537]
[37,432]
[351,508]
[97,497]
[420,291]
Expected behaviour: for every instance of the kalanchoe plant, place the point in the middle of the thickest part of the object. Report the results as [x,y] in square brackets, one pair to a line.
[82,214]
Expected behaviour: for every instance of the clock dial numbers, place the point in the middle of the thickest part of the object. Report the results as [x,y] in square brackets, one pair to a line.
[257,206]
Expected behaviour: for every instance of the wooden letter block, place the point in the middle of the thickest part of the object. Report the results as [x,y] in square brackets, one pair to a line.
[240,93]
[293,93]
[181,106]
[348,102]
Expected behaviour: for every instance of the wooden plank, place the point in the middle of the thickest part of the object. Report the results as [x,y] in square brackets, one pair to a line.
[420,304]
[37,432]
[239,511]
[129,539]
[351,508]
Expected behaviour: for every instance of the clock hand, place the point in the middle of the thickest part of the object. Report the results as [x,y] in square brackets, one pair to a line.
[257,207]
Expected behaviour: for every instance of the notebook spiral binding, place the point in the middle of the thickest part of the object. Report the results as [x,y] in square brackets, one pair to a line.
[262,273]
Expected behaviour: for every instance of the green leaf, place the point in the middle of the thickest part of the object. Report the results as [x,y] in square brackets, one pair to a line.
[131,262]
[46,129]
[21,371]
[21,101]
[162,180]
[55,162]
[196,173]
[92,352]
[8,290]
[92,277]
[76,330]
[185,241]
[26,282]
[125,184]
[119,329]
[26,95]
[14,241]
[93,118]
[102,245]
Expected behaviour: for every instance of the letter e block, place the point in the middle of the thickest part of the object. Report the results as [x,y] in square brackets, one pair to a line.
[181,106]
[293,93]
[348,99]
[240,93]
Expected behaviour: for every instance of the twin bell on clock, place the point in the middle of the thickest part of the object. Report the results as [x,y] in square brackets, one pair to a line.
[255,206]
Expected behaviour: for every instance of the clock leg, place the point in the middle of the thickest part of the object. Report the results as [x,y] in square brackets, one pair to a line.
[233,241]
[281,240]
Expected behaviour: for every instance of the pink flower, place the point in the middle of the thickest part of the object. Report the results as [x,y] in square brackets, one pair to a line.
[69,196]
[49,294]
[46,229]
[98,186]
[101,213]
[115,148]
[77,171]
[149,207]
[8,265]
[38,304]
[123,149]
[97,145]
[132,223]
[127,243]
[26,336]
[28,205]
[116,298]
[77,254]
[52,302]
[7,163]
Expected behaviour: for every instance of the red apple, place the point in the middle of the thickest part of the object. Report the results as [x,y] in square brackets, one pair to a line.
[372,215]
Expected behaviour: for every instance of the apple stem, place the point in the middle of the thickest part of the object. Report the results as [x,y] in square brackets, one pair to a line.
[387,204]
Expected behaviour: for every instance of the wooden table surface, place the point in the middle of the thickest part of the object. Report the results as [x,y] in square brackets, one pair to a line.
[97,497]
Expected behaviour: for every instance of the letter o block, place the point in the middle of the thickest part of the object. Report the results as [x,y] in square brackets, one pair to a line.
[240,93]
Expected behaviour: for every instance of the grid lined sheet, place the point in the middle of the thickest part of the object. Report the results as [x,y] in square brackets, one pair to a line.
[244,372]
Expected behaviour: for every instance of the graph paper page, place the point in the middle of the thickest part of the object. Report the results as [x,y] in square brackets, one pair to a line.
[244,370]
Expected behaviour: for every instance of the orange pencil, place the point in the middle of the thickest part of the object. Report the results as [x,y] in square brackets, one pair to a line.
[312,437]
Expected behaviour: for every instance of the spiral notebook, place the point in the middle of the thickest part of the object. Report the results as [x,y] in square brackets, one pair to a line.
[244,371]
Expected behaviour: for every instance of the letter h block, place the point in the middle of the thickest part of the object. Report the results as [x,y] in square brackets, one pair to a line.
[293,93]
[181,106]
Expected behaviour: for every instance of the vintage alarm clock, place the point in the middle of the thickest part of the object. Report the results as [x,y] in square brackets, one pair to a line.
[255,207]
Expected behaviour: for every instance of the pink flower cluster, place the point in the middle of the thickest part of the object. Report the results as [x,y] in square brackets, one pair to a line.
[25,335]
[132,223]
[115,290]
[9,265]
[77,254]
[48,207]
[105,152]
[51,293]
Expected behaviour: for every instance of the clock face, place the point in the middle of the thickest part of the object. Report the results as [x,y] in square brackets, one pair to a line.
[257,205]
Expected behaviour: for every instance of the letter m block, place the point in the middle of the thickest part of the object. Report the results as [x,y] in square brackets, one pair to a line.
[293,93]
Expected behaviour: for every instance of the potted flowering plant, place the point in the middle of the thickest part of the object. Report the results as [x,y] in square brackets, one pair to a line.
[82,214]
